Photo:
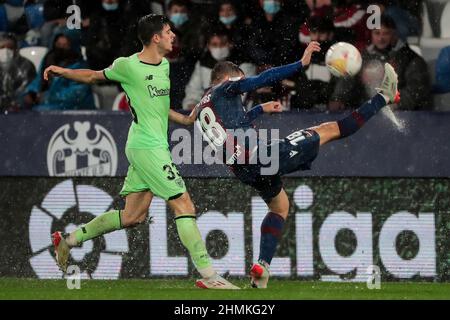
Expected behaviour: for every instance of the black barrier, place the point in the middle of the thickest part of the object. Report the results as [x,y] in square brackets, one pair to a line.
[338,229]
[92,144]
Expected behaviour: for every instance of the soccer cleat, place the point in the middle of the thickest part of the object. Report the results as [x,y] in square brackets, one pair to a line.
[259,274]
[61,250]
[215,282]
[389,84]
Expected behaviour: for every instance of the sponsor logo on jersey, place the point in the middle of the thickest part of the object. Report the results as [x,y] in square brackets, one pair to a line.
[93,154]
[155,92]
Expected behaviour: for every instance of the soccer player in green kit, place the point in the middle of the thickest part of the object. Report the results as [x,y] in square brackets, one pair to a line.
[145,78]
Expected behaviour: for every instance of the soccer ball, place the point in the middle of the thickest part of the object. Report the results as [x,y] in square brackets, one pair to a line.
[343,60]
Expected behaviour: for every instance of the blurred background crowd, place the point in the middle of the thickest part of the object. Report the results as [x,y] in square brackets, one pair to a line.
[414,36]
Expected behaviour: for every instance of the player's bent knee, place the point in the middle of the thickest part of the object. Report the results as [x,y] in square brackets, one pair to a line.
[182,205]
[327,131]
[280,204]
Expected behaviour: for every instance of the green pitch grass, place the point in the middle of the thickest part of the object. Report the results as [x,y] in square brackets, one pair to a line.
[185,290]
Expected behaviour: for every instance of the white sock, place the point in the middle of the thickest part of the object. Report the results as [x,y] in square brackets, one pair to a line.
[386,98]
[71,240]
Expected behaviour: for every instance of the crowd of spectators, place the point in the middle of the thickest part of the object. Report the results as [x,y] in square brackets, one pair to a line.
[256,34]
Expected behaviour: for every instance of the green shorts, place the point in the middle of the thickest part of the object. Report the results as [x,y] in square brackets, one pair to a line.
[152,170]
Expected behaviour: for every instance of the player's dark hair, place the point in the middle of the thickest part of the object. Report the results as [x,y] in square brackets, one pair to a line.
[233,3]
[237,8]
[225,68]
[220,32]
[387,22]
[150,25]
[9,37]
[180,3]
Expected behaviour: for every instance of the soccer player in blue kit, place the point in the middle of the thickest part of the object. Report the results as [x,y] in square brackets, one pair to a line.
[221,111]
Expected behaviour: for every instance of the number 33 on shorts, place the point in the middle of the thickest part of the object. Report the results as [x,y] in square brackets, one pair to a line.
[172,171]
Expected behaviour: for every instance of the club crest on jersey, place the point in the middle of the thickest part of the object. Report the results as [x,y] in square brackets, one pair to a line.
[91,151]
[155,92]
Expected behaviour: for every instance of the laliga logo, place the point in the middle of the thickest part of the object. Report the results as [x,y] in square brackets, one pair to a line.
[64,208]
[82,151]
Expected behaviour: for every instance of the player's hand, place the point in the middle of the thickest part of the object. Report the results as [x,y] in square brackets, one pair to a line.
[271,107]
[53,71]
[313,46]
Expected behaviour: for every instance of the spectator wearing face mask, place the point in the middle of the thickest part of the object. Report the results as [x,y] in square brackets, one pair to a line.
[275,41]
[16,72]
[59,93]
[230,18]
[187,47]
[219,48]
[105,36]
[190,32]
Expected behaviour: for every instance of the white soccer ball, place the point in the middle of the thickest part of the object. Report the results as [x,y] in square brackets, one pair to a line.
[343,60]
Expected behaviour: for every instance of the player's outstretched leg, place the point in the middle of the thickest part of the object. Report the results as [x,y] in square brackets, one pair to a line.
[349,125]
[386,94]
[271,230]
[135,212]
[192,240]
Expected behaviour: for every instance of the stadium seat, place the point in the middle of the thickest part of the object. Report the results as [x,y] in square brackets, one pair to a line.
[416,49]
[117,100]
[441,102]
[445,22]
[106,95]
[318,72]
[35,15]
[432,46]
[426,26]
[83,53]
[34,54]
[13,13]
[96,100]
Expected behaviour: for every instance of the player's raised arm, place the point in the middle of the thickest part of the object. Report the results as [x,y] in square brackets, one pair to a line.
[268,107]
[273,75]
[79,75]
[181,118]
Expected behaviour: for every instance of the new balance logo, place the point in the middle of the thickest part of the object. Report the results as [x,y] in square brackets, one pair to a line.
[149,77]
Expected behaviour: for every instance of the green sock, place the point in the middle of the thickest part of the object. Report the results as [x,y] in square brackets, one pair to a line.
[107,222]
[190,237]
